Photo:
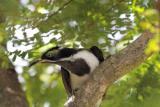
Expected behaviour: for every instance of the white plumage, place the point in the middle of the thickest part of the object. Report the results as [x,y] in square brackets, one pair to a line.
[88,57]
[91,60]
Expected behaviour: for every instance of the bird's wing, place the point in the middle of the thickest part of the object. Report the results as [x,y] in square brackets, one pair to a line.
[97,52]
[66,81]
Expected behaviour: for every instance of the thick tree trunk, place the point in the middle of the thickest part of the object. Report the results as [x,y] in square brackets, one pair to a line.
[11,94]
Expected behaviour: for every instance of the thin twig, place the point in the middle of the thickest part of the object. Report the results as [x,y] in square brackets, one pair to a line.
[61,8]
[54,13]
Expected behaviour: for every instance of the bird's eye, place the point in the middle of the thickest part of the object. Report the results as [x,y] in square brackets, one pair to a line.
[49,55]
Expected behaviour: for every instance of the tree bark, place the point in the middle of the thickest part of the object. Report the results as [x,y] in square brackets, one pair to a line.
[11,94]
[110,70]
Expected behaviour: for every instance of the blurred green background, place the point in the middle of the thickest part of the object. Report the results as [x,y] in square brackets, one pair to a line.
[29,27]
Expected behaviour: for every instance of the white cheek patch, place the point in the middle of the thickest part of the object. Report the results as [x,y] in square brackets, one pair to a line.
[67,59]
[88,57]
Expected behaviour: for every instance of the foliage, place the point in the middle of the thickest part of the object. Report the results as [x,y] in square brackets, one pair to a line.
[140,87]
[29,27]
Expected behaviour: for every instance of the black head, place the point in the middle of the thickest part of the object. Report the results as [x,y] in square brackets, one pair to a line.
[58,53]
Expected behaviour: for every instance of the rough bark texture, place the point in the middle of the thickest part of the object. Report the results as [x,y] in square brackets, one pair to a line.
[11,94]
[110,70]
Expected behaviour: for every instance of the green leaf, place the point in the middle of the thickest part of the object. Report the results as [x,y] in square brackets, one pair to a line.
[14,57]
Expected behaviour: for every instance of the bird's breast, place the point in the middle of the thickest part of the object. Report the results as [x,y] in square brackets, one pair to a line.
[77,81]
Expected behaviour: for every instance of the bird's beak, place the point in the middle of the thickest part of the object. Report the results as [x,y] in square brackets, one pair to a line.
[43,61]
[35,62]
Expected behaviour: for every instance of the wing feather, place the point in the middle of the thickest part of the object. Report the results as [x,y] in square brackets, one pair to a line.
[66,81]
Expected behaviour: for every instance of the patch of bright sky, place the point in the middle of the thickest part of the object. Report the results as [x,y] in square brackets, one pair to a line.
[73,23]
[32,72]
[101,41]
[46,104]
[32,8]
[51,69]
[131,17]
[50,35]
[29,6]
[21,79]
[12,48]
[118,35]
[24,2]
[42,10]
[46,37]
[19,69]
[31,32]
[19,34]
[19,62]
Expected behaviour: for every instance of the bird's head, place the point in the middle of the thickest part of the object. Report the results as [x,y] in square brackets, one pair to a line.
[56,55]
[51,54]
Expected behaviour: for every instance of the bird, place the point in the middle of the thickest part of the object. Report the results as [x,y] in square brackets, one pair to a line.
[77,65]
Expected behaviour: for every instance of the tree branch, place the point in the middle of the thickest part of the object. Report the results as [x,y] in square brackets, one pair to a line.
[54,13]
[110,70]
[61,8]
